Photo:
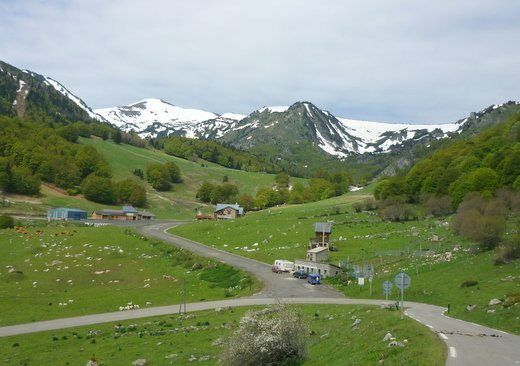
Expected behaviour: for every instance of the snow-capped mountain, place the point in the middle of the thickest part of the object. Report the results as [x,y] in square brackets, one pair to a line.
[335,136]
[303,123]
[155,117]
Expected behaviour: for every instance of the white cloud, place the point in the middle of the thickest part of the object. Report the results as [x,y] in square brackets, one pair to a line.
[418,61]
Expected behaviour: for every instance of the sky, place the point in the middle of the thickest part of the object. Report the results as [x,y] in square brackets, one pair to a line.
[392,61]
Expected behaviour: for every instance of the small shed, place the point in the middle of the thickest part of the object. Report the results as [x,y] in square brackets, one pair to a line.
[322,232]
[318,254]
[66,213]
[323,228]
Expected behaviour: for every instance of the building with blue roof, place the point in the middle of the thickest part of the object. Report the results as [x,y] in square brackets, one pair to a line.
[66,213]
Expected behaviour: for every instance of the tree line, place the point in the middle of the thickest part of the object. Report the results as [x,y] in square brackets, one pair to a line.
[322,186]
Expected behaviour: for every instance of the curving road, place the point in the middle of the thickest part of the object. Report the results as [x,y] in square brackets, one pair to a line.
[468,344]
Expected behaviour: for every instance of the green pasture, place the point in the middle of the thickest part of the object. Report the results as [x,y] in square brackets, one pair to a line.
[57,272]
[199,338]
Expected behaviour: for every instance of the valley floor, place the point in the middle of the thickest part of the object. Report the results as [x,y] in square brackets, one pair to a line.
[437,260]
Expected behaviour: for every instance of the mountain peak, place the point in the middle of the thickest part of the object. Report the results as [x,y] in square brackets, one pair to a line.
[273,109]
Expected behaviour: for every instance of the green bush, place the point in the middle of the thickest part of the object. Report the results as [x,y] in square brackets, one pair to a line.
[509,251]
[99,189]
[6,222]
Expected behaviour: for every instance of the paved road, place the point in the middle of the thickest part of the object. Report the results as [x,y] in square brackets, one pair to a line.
[468,344]
[275,285]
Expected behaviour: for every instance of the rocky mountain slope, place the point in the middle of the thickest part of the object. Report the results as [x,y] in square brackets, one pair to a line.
[23,92]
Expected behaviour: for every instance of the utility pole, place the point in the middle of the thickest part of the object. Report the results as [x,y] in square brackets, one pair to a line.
[402,295]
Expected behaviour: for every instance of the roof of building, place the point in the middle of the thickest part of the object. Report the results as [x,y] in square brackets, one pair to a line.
[68,209]
[129,209]
[317,249]
[110,212]
[221,206]
[323,227]
[303,262]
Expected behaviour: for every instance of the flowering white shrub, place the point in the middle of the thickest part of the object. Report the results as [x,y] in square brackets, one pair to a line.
[276,336]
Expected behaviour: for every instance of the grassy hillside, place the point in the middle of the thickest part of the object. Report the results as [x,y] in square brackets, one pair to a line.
[181,202]
[122,159]
[200,337]
[98,269]
[437,268]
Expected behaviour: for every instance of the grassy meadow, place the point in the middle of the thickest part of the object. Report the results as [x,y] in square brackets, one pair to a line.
[57,272]
[200,337]
[437,268]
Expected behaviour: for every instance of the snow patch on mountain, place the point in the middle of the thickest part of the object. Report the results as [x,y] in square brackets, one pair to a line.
[274,109]
[328,146]
[151,117]
[65,92]
[380,137]
[233,116]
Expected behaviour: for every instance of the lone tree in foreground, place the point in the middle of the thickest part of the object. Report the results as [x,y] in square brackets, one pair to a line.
[274,336]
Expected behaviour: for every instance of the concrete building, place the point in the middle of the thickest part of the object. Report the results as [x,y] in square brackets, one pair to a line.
[323,269]
[318,254]
[65,213]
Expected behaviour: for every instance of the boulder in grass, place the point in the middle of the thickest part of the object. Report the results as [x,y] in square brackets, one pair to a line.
[395,344]
[356,323]
[494,302]
[471,307]
[140,362]
[387,337]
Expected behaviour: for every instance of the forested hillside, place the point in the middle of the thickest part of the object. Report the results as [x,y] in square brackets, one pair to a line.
[482,164]
[215,152]
[31,151]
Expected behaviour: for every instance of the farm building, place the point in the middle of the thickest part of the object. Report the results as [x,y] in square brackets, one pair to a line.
[227,211]
[127,213]
[322,232]
[65,213]
[318,254]
[324,269]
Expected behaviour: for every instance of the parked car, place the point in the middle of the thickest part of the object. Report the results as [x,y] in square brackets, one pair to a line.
[284,265]
[314,279]
[300,274]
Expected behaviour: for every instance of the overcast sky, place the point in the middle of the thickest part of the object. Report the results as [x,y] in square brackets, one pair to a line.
[384,60]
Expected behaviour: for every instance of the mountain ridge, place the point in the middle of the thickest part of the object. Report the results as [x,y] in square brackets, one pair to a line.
[350,135]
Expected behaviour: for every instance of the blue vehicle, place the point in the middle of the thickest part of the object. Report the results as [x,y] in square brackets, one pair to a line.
[314,279]
[300,274]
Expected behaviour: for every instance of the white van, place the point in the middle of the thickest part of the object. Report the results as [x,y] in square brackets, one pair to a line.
[281,265]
